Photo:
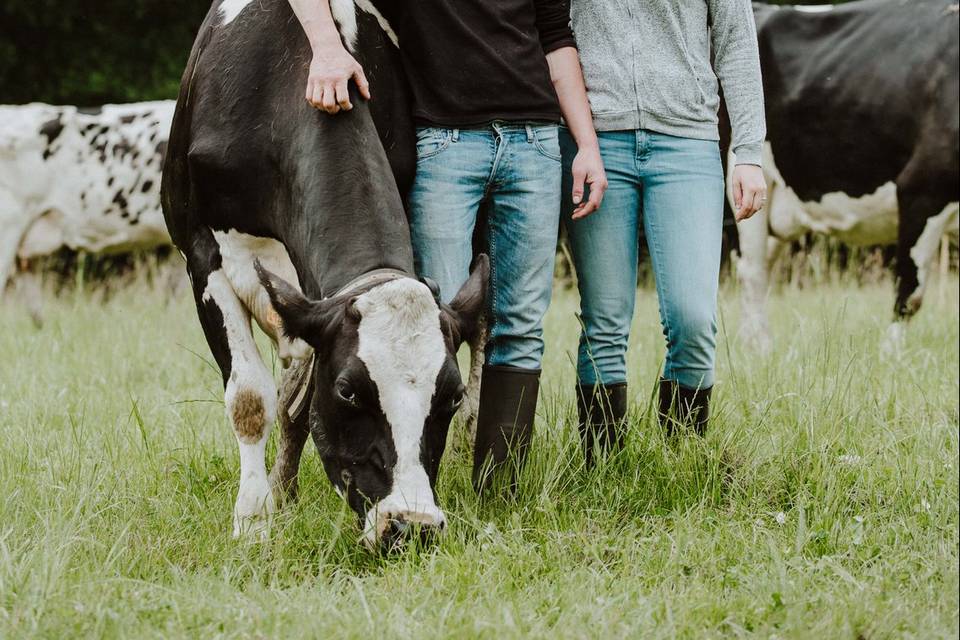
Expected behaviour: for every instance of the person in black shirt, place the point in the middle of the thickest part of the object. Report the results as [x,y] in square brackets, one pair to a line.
[490,80]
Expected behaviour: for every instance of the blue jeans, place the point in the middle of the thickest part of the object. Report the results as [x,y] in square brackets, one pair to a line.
[675,187]
[514,171]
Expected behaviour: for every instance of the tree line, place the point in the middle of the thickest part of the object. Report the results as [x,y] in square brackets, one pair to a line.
[91,52]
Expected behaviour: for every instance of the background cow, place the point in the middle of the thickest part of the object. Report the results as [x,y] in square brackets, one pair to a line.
[862,116]
[86,179]
[294,217]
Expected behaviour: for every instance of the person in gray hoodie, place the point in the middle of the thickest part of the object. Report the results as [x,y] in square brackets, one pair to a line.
[653,70]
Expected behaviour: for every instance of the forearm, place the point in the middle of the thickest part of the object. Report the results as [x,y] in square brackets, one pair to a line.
[317,23]
[737,64]
[572,94]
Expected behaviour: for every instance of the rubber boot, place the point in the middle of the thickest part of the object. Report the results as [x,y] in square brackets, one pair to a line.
[508,404]
[684,407]
[602,410]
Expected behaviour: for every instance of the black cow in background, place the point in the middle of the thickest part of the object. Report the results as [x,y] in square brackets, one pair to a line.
[862,117]
[294,218]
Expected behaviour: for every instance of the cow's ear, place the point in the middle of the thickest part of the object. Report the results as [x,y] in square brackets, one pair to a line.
[300,317]
[466,310]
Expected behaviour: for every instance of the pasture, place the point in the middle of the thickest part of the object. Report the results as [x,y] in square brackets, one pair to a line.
[823,503]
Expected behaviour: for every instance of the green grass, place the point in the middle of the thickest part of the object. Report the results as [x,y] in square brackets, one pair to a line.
[822,504]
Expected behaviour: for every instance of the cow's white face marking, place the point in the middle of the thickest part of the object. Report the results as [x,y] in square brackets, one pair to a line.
[94,187]
[230,9]
[402,346]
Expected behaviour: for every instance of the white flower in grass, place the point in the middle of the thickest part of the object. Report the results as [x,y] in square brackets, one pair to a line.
[925,505]
[849,459]
[781,518]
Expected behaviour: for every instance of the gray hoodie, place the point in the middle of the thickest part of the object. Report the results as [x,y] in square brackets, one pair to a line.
[647,66]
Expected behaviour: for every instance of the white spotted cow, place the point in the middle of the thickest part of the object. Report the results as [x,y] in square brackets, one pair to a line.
[862,118]
[86,179]
[294,219]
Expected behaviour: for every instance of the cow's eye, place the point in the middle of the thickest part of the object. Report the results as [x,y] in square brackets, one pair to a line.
[346,393]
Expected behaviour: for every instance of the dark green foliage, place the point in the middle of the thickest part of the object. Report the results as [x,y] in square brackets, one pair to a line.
[88,52]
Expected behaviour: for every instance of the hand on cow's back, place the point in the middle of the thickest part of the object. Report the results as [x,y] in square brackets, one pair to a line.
[331,70]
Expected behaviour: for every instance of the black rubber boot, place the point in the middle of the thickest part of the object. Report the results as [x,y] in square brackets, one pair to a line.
[684,407]
[508,404]
[602,410]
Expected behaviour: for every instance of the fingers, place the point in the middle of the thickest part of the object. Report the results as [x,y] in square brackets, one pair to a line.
[579,176]
[737,193]
[361,79]
[752,200]
[329,100]
[597,188]
[343,96]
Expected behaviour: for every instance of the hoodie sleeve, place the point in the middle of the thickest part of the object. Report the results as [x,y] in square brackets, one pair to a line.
[737,65]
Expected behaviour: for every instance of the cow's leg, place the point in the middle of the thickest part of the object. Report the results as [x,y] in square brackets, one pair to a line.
[13,224]
[294,428]
[753,272]
[926,212]
[250,392]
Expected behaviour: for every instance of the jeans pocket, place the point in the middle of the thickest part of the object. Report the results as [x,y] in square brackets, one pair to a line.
[547,141]
[432,141]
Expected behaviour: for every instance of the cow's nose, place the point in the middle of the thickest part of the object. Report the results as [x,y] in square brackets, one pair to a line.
[403,528]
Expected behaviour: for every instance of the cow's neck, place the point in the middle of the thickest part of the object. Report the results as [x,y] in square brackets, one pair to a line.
[356,222]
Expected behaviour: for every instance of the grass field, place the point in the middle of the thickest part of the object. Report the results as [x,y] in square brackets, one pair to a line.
[822,504]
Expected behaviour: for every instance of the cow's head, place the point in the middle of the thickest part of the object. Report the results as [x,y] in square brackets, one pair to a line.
[385,386]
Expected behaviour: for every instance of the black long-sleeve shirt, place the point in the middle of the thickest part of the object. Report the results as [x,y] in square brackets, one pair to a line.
[472,61]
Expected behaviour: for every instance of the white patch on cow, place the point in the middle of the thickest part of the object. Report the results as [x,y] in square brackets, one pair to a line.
[865,220]
[238,251]
[925,250]
[250,379]
[94,188]
[367,7]
[230,9]
[344,13]
[813,8]
[402,346]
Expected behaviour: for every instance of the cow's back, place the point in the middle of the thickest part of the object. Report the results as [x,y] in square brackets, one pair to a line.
[247,151]
[851,91]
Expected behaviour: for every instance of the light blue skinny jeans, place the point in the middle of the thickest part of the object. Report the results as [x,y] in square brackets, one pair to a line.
[514,170]
[674,186]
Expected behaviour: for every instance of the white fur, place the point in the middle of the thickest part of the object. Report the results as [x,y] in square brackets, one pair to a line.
[41,208]
[238,251]
[230,9]
[402,346]
[345,15]
[367,7]
[813,8]
[255,502]
[923,252]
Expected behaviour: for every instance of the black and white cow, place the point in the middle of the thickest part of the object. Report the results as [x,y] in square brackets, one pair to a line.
[294,218]
[862,116]
[86,179]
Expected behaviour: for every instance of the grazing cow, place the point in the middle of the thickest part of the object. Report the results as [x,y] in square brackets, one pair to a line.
[87,179]
[294,218]
[862,118]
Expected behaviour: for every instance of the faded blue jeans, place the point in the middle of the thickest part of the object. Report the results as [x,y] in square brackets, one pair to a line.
[513,170]
[674,187]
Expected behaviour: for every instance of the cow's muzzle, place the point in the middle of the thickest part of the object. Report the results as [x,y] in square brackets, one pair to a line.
[393,529]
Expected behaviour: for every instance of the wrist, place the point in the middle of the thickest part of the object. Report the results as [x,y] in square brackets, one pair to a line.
[588,143]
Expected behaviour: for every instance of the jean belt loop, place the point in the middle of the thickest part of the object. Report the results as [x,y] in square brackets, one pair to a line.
[455,135]
[529,133]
